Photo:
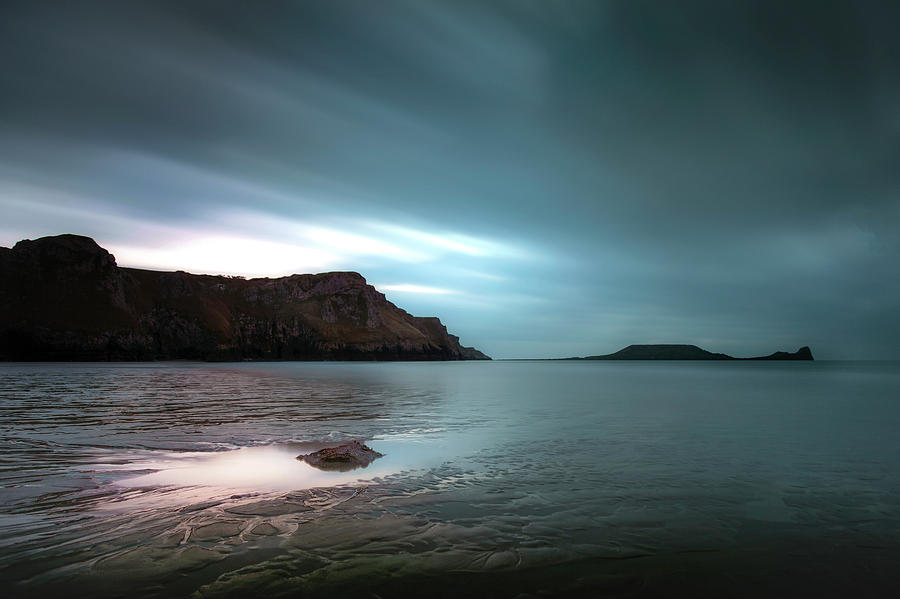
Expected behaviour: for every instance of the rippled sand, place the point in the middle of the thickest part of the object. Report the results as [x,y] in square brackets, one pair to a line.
[602,482]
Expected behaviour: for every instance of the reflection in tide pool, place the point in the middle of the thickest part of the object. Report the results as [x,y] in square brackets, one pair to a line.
[275,467]
[513,479]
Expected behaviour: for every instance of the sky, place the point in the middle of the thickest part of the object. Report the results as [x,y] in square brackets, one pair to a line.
[549,178]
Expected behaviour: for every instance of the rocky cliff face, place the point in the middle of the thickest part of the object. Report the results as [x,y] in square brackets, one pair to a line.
[64,298]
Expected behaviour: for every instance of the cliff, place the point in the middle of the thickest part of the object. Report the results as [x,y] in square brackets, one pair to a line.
[64,298]
[688,352]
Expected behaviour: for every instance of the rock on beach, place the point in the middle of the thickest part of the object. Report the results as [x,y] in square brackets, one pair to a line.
[342,458]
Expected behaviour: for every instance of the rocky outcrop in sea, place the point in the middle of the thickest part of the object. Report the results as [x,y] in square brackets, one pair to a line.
[689,352]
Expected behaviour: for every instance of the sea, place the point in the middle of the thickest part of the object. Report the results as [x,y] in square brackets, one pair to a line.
[499,479]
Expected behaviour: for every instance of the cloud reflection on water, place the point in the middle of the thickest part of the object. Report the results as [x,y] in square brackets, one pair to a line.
[274,467]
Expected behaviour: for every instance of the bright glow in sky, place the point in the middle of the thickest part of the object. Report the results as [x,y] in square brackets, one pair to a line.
[228,255]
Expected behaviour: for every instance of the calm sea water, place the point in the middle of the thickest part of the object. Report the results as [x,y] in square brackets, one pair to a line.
[499,479]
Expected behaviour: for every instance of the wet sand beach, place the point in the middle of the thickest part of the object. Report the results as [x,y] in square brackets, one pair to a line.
[624,480]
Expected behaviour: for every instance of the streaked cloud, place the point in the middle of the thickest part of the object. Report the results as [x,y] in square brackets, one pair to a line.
[452,242]
[574,176]
[410,288]
[351,243]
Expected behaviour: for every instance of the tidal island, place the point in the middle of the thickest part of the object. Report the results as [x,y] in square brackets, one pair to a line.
[689,352]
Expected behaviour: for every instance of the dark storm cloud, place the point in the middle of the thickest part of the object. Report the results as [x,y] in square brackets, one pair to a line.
[560,178]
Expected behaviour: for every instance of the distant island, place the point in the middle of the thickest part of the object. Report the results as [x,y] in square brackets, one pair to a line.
[64,298]
[688,352]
